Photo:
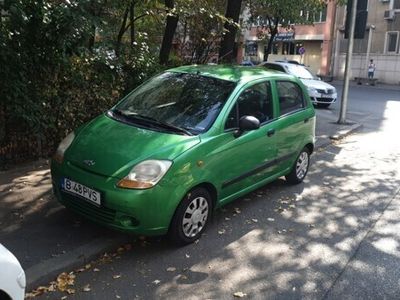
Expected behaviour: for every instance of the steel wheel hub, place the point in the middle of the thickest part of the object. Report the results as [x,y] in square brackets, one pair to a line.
[302,165]
[195,217]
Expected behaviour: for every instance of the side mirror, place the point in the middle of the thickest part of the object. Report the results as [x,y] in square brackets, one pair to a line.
[247,123]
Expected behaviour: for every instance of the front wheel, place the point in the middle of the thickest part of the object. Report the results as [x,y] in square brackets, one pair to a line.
[300,167]
[191,217]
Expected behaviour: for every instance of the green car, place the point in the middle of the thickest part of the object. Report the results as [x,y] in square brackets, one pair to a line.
[183,144]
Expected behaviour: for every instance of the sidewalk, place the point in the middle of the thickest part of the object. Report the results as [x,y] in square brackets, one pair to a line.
[378,85]
[48,239]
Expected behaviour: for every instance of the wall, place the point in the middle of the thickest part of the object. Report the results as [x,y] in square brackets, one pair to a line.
[387,67]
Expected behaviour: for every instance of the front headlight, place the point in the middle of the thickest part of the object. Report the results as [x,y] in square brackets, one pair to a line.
[65,143]
[312,90]
[145,174]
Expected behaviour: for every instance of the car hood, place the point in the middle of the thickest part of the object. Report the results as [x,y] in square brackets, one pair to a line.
[317,84]
[111,148]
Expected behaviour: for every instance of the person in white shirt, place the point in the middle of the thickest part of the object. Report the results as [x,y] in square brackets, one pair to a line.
[371,69]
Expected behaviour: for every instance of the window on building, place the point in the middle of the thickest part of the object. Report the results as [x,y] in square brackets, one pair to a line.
[396,4]
[315,16]
[251,49]
[392,41]
[288,48]
[274,48]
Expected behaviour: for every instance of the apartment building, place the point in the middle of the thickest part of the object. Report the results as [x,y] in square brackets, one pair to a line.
[381,43]
[308,44]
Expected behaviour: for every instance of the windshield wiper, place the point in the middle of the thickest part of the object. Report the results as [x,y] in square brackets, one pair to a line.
[152,121]
[162,124]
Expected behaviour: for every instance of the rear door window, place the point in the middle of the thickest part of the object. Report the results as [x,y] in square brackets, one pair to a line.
[290,97]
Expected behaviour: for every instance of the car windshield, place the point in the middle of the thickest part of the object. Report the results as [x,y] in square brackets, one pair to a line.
[183,101]
[299,71]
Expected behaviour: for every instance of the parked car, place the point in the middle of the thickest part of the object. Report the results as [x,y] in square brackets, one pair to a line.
[247,63]
[182,144]
[322,94]
[12,276]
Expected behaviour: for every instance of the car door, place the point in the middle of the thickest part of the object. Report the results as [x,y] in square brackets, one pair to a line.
[292,122]
[248,159]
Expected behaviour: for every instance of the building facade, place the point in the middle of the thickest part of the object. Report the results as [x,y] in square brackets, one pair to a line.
[308,44]
[380,43]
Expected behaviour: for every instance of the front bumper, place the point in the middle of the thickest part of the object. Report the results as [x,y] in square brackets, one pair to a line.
[323,98]
[144,212]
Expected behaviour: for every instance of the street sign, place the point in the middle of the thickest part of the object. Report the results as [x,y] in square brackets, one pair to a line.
[302,50]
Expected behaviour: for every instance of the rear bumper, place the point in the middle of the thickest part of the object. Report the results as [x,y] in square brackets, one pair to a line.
[143,212]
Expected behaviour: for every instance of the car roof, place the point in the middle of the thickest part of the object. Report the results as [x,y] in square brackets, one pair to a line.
[233,73]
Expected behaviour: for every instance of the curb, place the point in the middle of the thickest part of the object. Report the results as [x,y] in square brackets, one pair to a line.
[341,134]
[46,271]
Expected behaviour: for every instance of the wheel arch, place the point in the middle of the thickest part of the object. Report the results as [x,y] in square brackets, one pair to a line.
[310,147]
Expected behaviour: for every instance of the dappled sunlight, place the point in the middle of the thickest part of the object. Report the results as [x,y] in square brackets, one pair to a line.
[305,237]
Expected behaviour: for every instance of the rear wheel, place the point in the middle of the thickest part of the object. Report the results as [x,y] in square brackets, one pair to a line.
[300,167]
[191,217]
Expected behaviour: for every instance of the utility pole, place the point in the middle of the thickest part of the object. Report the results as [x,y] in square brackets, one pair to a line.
[347,70]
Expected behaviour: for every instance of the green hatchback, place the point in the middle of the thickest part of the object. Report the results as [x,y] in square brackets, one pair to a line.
[183,144]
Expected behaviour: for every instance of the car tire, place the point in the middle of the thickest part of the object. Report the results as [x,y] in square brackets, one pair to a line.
[300,167]
[323,105]
[191,217]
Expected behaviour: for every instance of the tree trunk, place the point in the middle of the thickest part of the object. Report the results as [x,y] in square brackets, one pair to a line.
[170,28]
[273,32]
[132,22]
[121,32]
[228,40]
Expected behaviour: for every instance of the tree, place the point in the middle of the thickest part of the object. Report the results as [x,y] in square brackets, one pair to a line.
[272,14]
[226,52]
[170,28]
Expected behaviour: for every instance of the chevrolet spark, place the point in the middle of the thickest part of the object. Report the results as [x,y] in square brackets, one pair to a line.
[183,144]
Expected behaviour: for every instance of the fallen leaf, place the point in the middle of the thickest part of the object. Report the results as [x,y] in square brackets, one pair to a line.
[171,269]
[239,294]
[70,291]
[96,270]
[237,210]
[88,266]
[156,281]
[187,255]
[227,219]
[64,297]
[222,231]
[86,288]
[117,276]
[271,219]
[254,220]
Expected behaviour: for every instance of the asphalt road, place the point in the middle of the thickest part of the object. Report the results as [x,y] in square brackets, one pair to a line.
[335,236]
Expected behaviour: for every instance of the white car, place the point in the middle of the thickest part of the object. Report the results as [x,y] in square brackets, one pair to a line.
[12,276]
[322,94]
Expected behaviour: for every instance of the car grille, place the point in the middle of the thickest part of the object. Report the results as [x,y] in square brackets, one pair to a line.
[327,100]
[101,214]
[327,92]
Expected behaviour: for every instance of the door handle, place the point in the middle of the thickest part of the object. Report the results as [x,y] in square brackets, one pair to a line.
[306,120]
[271,132]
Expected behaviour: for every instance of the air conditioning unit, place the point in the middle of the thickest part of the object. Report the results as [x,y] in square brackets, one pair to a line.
[389,14]
[385,1]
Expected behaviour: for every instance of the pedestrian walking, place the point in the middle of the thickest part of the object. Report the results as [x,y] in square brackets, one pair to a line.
[371,69]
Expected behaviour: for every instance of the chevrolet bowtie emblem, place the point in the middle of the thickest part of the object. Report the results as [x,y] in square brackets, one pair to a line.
[89,162]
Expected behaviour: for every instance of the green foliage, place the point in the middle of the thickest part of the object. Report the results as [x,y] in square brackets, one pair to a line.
[52,79]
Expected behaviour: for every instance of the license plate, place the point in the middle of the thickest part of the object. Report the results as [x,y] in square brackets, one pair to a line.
[326,96]
[81,190]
